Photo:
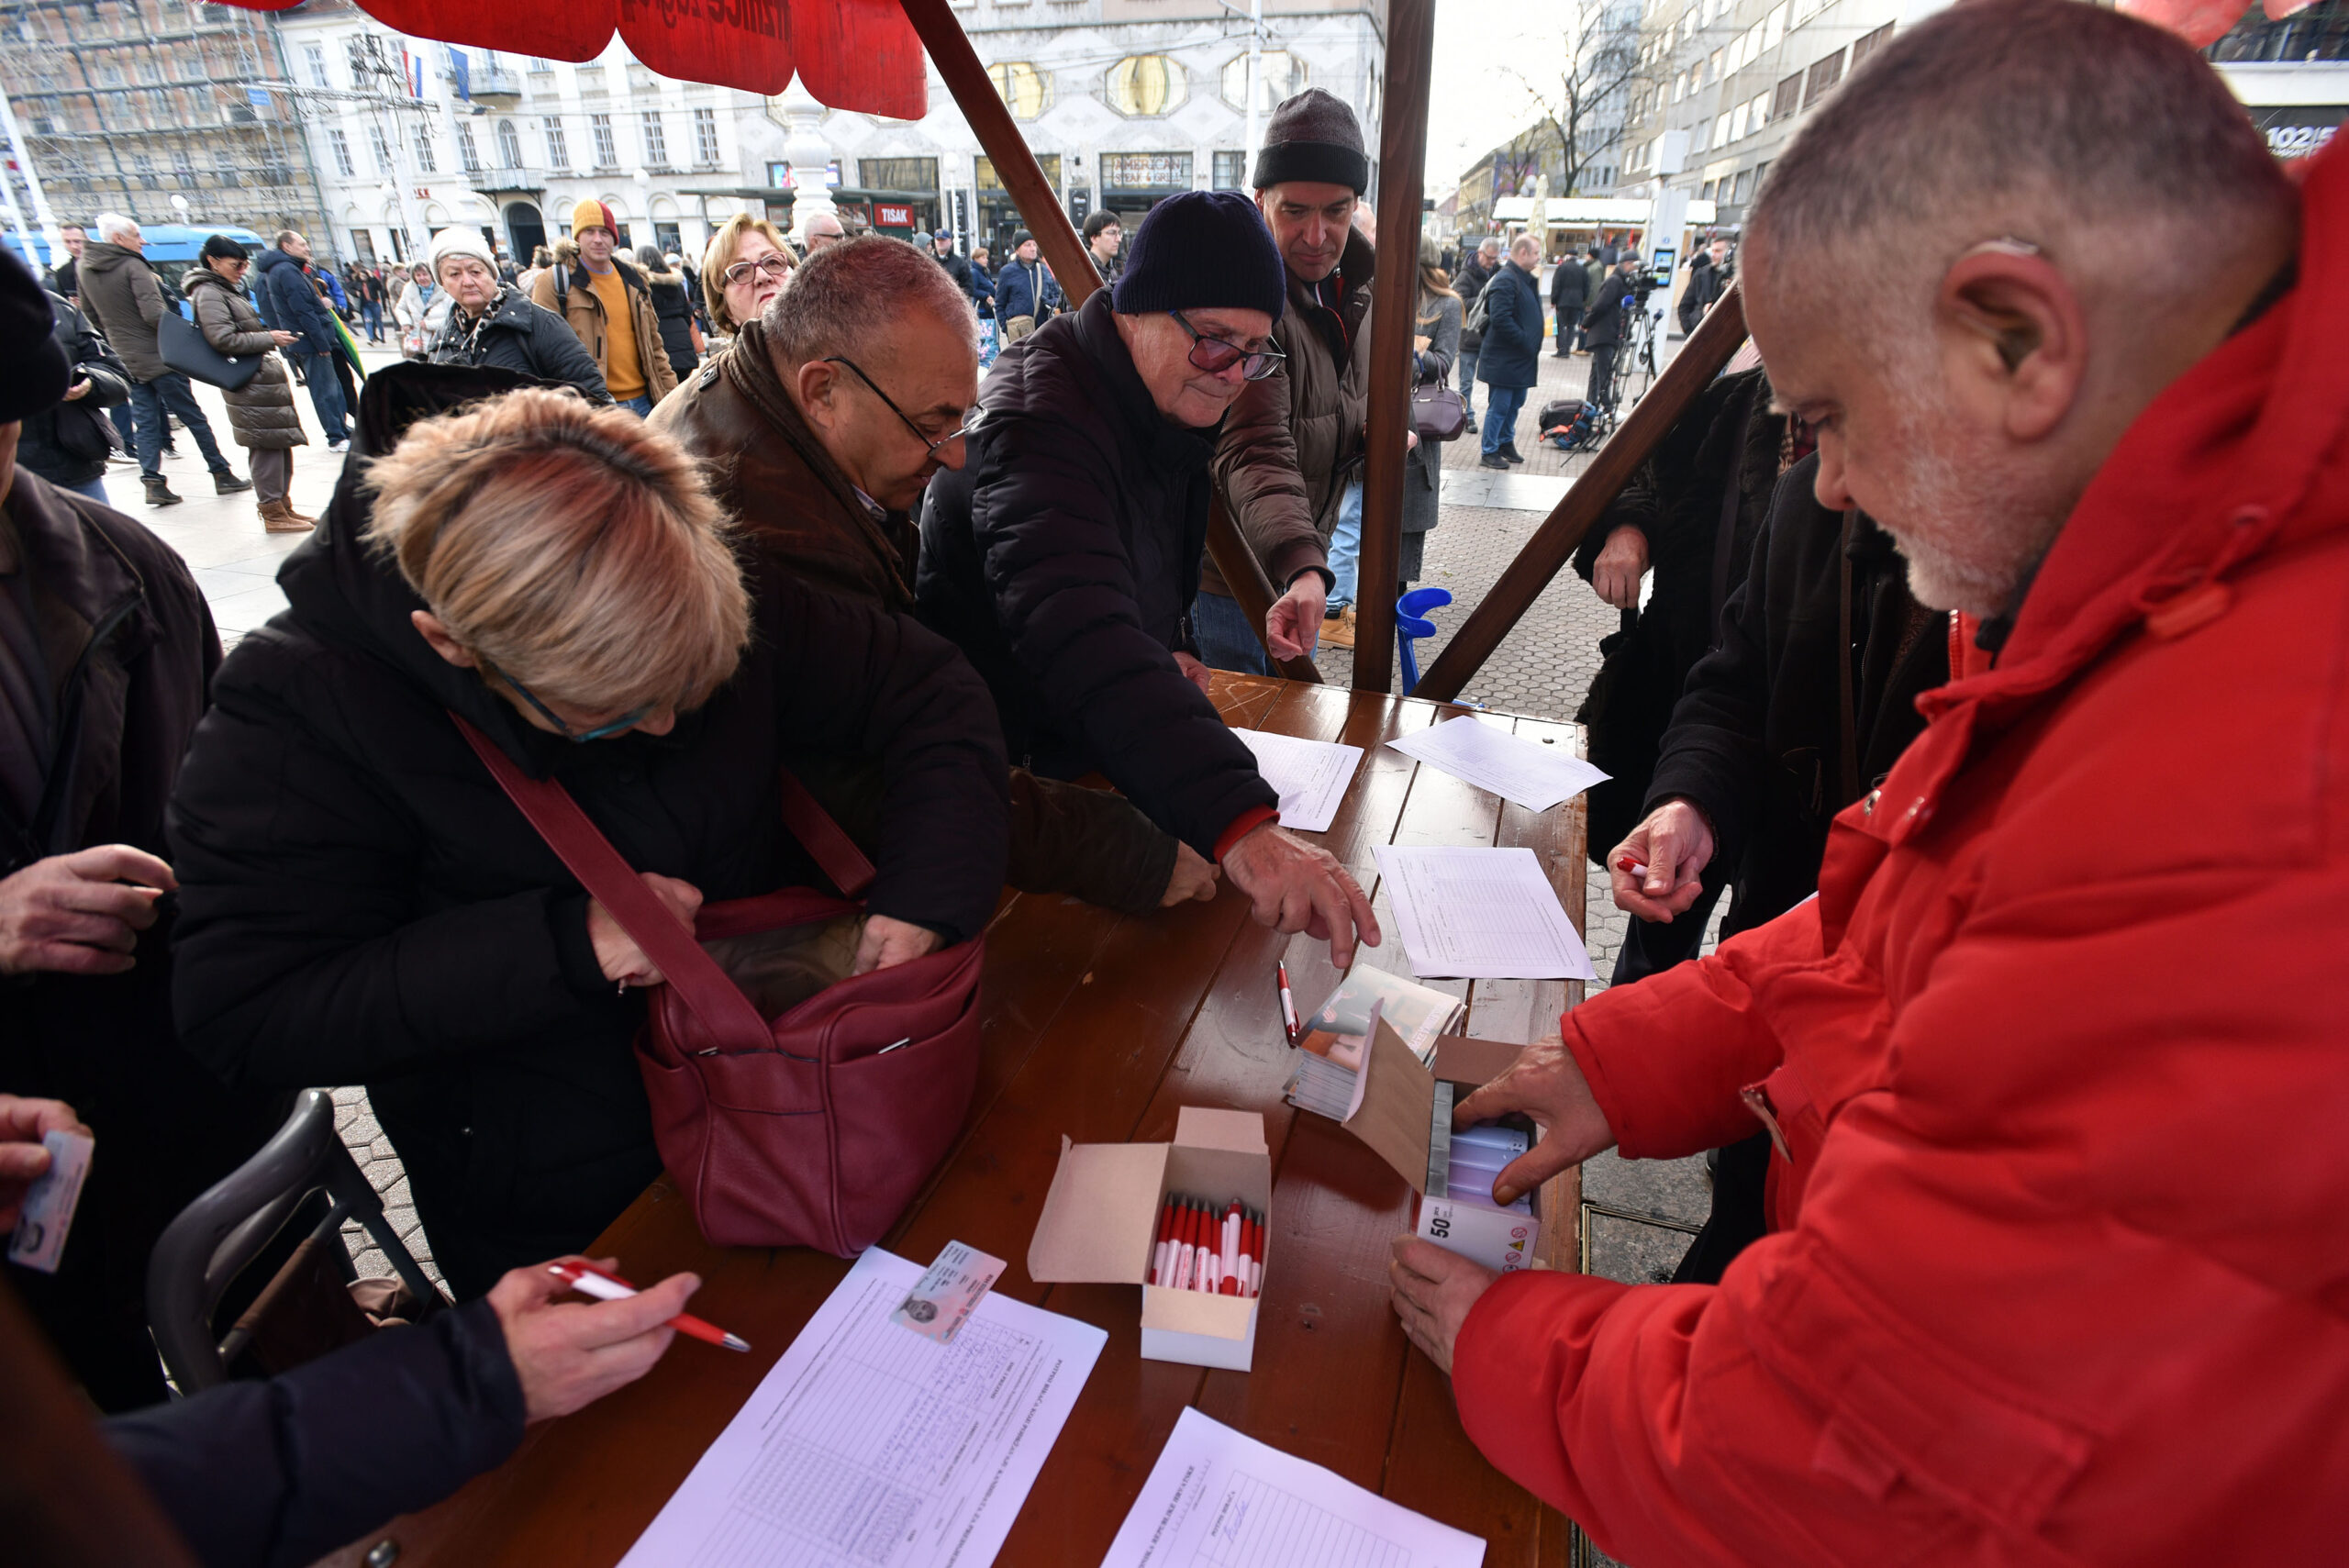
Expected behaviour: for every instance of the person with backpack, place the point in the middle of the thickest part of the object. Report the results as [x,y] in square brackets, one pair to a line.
[1470,286]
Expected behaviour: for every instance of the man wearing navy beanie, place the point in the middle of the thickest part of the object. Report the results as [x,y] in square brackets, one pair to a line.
[1061,548]
[1290,458]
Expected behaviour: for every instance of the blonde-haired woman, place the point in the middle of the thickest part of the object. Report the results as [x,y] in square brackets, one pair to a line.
[746,265]
[362,905]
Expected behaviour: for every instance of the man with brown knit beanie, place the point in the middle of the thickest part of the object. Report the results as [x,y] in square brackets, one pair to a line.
[1293,444]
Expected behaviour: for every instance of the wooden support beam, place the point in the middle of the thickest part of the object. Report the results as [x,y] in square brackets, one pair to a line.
[974,93]
[1717,338]
[1393,311]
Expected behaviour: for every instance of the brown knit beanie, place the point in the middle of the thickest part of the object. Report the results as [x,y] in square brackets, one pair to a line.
[1313,137]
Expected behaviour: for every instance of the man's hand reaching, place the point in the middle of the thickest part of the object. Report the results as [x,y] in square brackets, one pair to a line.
[1674,843]
[1296,887]
[82,913]
[1293,625]
[1547,1084]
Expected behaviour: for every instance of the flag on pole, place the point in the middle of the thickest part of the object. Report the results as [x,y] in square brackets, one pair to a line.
[460,71]
[412,68]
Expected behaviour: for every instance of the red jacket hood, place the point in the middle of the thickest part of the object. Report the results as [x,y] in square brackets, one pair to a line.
[2200,483]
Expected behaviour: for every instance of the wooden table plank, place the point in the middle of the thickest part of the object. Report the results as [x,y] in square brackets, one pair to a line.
[1100,1027]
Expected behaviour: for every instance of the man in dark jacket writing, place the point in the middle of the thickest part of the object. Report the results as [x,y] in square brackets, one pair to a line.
[1064,553]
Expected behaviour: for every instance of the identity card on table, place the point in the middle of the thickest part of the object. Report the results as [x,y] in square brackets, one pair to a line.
[1217,1497]
[870,1447]
[1474,914]
[1526,771]
[1311,775]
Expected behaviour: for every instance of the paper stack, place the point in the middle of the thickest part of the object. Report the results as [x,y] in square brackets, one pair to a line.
[1330,1056]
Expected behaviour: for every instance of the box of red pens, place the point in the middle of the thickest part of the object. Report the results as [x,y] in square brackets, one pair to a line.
[1174,1219]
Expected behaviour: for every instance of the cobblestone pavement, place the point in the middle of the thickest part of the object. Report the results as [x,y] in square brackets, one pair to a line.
[1541,668]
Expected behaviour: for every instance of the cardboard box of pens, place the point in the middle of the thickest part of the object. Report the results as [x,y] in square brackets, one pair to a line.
[1185,1221]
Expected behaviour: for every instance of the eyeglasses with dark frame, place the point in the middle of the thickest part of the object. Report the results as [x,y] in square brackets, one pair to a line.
[777,265]
[577,738]
[956,434]
[1214,354]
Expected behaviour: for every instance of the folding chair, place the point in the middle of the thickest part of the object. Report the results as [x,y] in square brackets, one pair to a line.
[218,1236]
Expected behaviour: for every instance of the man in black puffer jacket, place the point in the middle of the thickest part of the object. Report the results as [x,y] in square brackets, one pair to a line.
[1062,549]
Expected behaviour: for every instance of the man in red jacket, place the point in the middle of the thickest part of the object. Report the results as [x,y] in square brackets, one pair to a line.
[2057,1062]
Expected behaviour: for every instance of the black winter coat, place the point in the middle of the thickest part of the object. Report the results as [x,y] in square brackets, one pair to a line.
[1468,285]
[1569,292]
[1757,738]
[1607,320]
[67,444]
[673,307]
[129,642]
[291,303]
[518,335]
[277,1473]
[1063,556]
[363,906]
[1676,499]
[1510,355]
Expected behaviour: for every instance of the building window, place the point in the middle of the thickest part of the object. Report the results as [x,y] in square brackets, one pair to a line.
[1788,97]
[705,135]
[427,161]
[1823,77]
[1145,174]
[466,150]
[1231,171]
[145,166]
[1280,76]
[982,172]
[509,145]
[315,56]
[1744,188]
[1145,84]
[340,146]
[380,146]
[1026,91]
[1869,43]
[558,150]
[607,147]
[912,174]
[656,141]
[183,166]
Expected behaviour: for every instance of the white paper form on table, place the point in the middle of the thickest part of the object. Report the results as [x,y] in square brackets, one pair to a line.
[1311,775]
[870,1447]
[1475,914]
[1217,1499]
[1534,776]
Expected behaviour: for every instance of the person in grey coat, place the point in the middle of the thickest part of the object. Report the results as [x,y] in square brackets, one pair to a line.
[1436,338]
[260,413]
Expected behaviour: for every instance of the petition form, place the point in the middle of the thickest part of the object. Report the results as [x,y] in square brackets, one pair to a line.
[1475,914]
[1311,775]
[870,1445]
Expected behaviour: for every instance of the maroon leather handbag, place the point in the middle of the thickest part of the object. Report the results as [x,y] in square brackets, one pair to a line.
[817,1127]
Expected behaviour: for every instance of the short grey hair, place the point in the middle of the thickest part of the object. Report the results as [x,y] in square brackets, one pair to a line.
[113,225]
[1489,242]
[2049,115]
[845,295]
[283,235]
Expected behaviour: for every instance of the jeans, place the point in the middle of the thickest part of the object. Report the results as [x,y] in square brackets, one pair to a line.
[96,489]
[1467,366]
[149,399]
[1226,640]
[372,314]
[1345,547]
[325,397]
[1501,404]
[640,405]
[126,425]
[1602,375]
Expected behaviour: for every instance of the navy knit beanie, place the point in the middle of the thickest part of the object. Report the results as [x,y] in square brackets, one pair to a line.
[1202,250]
[1313,137]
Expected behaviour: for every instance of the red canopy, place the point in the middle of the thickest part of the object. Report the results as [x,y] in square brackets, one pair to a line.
[853,54]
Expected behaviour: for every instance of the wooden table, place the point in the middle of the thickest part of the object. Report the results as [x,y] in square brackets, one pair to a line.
[1101,1027]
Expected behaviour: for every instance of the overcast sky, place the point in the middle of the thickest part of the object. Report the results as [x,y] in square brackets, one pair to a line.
[1475,102]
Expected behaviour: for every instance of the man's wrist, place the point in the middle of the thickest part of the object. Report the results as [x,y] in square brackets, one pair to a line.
[1240,827]
[1329,578]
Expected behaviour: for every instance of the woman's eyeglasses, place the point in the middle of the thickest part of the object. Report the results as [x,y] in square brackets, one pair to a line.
[775,266]
[601,731]
[1213,354]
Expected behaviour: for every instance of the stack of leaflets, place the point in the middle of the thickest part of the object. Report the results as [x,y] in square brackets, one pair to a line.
[1329,1059]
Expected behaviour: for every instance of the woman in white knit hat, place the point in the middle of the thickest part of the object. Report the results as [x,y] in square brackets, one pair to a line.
[492,323]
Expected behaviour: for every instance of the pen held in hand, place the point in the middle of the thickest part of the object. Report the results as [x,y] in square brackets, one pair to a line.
[588,1280]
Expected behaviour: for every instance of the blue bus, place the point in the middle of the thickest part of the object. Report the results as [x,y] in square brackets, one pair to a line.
[170,249]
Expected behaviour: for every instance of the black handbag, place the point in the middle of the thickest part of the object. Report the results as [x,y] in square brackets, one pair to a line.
[1438,413]
[182,345]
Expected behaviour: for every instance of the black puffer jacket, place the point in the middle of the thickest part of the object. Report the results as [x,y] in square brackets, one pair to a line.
[516,335]
[1757,739]
[362,905]
[67,444]
[1063,556]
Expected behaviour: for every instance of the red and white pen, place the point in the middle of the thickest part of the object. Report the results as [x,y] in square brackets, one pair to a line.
[1234,1260]
[1630,867]
[1183,1252]
[1158,1255]
[1289,1026]
[589,1280]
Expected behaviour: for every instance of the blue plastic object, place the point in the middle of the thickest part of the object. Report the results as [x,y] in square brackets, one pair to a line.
[1411,622]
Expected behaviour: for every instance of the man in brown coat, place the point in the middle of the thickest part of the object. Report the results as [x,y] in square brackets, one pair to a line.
[1294,441]
[821,459]
[609,305]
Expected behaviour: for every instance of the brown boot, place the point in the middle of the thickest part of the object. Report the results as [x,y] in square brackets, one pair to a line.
[1337,630]
[279,517]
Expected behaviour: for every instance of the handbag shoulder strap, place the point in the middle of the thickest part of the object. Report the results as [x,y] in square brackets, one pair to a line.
[835,852]
[717,1001]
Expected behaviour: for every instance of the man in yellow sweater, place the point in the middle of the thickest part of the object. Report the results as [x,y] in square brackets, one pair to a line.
[608,304]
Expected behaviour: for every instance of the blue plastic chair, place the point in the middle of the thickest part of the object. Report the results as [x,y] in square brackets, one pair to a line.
[1411,623]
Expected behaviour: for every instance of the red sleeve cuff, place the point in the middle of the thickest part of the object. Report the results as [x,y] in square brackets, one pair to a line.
[1241,826]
